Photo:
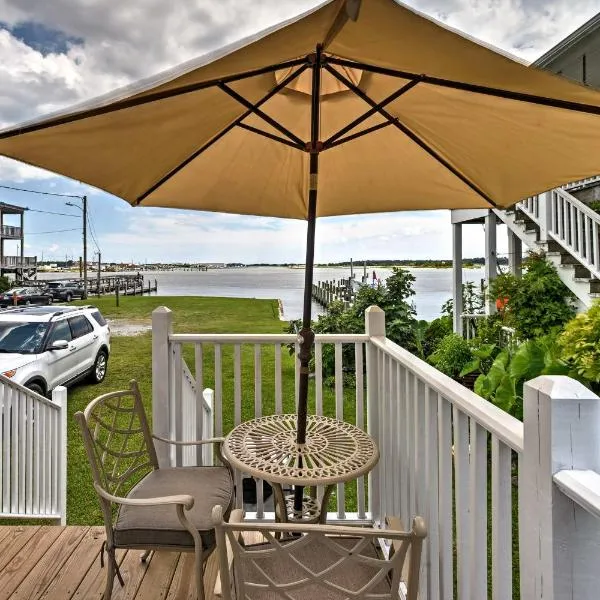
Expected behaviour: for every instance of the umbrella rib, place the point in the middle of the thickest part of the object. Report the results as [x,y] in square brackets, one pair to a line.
[147,99]
[410,134]
[370,112]
[271,136]
[221,133]
[471,87]
[358,134]
[259,113]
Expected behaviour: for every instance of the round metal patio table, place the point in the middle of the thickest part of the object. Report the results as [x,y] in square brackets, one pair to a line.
[334,452]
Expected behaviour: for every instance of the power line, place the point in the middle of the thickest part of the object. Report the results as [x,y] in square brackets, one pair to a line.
[16,189]
[55,231]
[93,232]
[49,212]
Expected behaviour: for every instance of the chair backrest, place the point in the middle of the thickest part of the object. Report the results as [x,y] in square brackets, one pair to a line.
[117,441]
[328,562]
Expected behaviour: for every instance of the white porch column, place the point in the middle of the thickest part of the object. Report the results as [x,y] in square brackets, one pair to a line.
[559,540]
[457,297]
[374,327]
[544,215]
[491,259]
[515,253]
[162,327]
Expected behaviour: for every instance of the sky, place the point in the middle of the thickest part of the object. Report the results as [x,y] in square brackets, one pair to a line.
[55,54]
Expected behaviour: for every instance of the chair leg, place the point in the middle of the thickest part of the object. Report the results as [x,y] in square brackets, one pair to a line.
[110,579]
[198,563]
[145,555]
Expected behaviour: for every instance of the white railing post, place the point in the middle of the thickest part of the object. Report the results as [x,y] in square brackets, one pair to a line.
[545,212]
[457,279]
[162,327]
[59,397]
[374,327]
[559,550]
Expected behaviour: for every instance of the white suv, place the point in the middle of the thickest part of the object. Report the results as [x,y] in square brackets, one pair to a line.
[42,347]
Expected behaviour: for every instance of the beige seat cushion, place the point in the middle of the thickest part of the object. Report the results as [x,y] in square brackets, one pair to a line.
[159,525]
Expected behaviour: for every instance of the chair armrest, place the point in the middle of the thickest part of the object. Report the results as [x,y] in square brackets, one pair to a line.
[236,516]
[219,440]
[185,500]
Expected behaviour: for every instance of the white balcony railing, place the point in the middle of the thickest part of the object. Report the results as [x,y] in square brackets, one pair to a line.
[446,453]
[33,453]
[568,221]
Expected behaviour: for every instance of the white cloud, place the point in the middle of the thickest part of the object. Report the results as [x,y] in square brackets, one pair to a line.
[125,41]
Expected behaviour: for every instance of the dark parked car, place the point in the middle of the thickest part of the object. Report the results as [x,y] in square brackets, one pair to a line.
[24,296]
[64,290]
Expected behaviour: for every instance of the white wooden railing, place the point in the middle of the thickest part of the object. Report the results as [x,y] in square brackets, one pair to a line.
[568,221]
[446,453]
[33,453]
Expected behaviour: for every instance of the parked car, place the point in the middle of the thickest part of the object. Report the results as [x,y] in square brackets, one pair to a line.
[64,290]
[24,296]
[43,347]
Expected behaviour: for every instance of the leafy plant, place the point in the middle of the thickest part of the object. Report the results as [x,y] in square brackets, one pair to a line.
[538,302]
[5,283]
[580,344]
[481,356]
[451,355]
[503,383]
[435,332]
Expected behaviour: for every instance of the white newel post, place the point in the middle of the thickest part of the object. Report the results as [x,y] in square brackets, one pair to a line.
[59,397]
[545,212]
[457,283]
[559,541]
[374,327]
[491,258]
[162,327]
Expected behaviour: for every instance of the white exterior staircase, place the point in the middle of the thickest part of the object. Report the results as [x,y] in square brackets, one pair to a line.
[567,230]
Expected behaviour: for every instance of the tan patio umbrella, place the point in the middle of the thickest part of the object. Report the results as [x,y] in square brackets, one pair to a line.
[376,106]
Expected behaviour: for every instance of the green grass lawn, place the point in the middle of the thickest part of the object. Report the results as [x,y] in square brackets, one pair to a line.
[131,358]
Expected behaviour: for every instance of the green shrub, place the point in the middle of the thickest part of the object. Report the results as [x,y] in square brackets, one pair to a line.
[580,344]
[512,367]
[437,330]
[538,302]
[451,355]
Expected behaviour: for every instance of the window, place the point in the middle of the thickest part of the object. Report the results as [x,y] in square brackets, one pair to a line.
[60,331]
[21,338]
[99,318]
[80,326]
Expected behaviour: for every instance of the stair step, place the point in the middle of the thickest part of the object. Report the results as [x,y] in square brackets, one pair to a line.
[568,259]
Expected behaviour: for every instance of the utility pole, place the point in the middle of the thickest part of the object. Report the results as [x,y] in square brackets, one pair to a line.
[99,265]
[85,279]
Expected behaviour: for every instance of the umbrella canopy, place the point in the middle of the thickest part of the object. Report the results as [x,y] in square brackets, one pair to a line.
[462,136]
[377,107]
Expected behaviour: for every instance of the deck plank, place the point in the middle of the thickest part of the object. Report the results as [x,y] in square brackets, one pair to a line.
[92,585]
[13,542]
[77,566]
[158,577]
[27,558]
[50,564]
[183,584]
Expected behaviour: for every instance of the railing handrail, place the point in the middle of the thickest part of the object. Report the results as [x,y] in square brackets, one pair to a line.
[582,486]
[505,427]
[262,338]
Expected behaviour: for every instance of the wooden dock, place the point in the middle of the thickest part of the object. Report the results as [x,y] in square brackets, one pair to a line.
[326,292]
[63,563]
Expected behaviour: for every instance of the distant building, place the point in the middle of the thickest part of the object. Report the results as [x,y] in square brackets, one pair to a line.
[22,267]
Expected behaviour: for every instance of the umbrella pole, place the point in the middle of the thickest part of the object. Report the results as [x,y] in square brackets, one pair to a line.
[307,334]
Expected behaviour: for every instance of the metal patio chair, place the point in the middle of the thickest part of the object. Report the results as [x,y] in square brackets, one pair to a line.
[325,562]
[146,507]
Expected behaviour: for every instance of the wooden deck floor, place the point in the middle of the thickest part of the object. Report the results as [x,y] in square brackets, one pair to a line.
[59,563]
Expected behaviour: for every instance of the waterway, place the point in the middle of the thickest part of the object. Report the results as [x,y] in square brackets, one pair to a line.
[432,286]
